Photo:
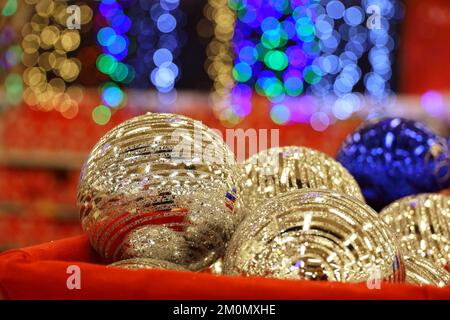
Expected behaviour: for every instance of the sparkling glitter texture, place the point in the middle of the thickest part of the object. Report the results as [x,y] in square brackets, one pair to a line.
[217,267]
[423,272]
[279,170]
[159,186]
[315,234]
[422,224]
[395,157]
[145,263]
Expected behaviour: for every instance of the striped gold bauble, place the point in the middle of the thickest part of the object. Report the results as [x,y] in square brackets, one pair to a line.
[160,186]
[315,234]
[422,223]
[282,169]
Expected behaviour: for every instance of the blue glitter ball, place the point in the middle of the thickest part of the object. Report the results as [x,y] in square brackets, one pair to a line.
[394,157]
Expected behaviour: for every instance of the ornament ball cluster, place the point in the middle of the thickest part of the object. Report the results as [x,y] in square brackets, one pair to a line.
[164,191]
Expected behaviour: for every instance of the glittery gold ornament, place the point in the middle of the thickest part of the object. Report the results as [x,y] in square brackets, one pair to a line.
[145,263]
[315,234]
[422,224]
[159,186]
[424,272]
[279,170]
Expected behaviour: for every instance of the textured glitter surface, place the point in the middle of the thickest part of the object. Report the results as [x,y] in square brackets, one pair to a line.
[145,263]
[422,224]
[393,158]
[315,234]
[279,170]
[159,186]
[424,272]
[217,267]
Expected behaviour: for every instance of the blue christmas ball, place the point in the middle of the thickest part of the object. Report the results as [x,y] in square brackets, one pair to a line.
[394,157]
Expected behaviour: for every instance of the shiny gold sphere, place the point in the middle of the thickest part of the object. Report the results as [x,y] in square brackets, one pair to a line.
[422,224]
[424,272]
[315,234]
[145,263]
[159,186]
[279,170]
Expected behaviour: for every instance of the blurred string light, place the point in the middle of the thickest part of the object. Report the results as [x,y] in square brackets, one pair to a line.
[157,42]
[380,55]
[10,56]
[115,43]
[306,54]
[140,49]
[219,63]
[48,55]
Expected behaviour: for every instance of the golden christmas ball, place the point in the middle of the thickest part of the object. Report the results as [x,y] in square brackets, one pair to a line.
[422,223]
[279,170]
[145,263]
[160,186]
[424,272]
[315,234]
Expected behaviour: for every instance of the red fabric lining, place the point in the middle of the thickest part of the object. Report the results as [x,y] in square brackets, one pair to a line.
[39,272]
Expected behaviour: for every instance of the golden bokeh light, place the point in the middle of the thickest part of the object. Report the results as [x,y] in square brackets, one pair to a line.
[34,76]
[69,108]
[48,47]
[43,61]
[86,14]
[76,93]
[50,35]
[58,85]
[31,43]
[56,58]
[69,69]
[44,8]
[30,59]
[219,63]
[37,23]
[70,40]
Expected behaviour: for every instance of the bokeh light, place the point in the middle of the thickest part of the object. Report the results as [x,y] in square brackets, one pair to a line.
[101,115]
[280,114]
[433,103]
[285,49]
[114,42]
[48,52]
[228,108]
[158,36]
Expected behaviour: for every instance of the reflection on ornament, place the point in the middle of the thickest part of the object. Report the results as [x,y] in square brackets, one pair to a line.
[315,234]
[145,263]
[422,224]
[423,272]
[217,267]
[159,186]
[279,170]
[395,157]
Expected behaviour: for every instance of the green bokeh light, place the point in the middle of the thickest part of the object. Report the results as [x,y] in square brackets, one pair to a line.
[107,64]
[14,88]
[276,60]
[101,115]
[312,74]
[10,8]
